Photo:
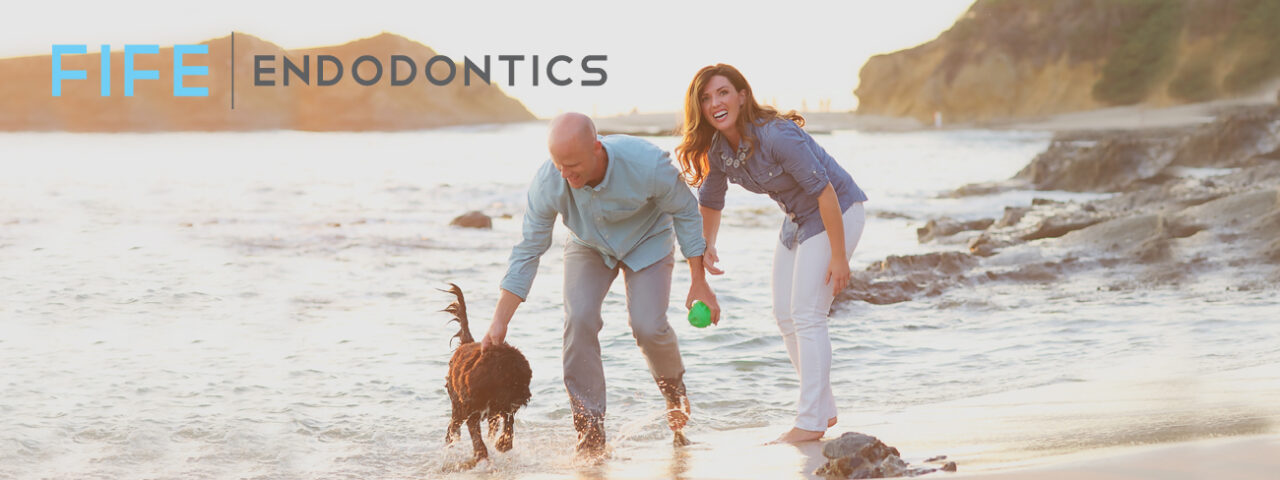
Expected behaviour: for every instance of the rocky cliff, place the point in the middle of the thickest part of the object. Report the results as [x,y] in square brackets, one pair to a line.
[1012,59]
[26,102]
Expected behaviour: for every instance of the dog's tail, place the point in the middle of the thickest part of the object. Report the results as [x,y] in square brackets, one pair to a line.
[459,310]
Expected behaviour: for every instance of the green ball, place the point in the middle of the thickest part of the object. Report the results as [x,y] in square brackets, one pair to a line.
[700,315]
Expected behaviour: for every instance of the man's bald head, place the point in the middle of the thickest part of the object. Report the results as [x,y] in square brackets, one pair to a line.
[575,151]
[570,130]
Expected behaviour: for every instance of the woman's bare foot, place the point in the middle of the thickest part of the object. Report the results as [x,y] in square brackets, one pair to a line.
[797,435]
[831,422]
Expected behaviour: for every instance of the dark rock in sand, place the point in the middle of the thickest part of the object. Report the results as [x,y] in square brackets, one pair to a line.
[949,467]
[945,227]
[855,455]
[473,219]
[854,444]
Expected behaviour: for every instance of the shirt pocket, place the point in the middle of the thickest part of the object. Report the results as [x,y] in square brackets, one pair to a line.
[775,179]
[618,211]
[741,176]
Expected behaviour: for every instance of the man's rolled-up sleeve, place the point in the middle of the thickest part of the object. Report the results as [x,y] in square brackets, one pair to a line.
[522,266]
[672,196]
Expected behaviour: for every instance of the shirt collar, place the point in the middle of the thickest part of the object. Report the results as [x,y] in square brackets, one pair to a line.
[720,147]
[608,170]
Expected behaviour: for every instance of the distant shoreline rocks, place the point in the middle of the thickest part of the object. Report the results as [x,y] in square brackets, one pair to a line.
[1183,201]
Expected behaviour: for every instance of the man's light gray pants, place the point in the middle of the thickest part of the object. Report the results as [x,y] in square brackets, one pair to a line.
[586,281]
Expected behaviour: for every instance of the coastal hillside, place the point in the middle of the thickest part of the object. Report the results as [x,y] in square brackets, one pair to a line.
[1014,59]
[26,103]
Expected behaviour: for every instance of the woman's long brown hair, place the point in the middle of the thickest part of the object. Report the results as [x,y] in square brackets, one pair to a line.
[692,151]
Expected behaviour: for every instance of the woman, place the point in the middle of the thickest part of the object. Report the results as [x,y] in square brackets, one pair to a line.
[728,137]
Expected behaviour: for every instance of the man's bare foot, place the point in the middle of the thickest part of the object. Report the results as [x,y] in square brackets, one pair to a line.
[679,439]
[797,435]
[831,422]
[678,411]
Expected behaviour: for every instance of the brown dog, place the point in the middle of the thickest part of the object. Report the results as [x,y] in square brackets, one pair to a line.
[492,385]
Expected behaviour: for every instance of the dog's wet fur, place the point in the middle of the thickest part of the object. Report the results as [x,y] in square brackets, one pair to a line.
[491,385]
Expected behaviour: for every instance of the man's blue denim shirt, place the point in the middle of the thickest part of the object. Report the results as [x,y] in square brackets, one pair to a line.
[785,163]
[628,217]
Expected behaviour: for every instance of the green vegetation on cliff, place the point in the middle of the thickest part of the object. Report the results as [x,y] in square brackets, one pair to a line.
[1137,40]
[1258,35]
[1147,54]
[1034,57]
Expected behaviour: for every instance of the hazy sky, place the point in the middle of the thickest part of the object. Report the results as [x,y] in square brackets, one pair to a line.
[792,51]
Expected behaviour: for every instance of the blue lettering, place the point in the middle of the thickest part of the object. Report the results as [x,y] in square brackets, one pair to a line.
[130,74]
[58,73]
[179,70]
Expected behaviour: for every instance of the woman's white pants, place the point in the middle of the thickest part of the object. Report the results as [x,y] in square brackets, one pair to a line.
[801,301]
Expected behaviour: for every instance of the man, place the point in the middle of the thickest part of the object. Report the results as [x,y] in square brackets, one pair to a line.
[621,198]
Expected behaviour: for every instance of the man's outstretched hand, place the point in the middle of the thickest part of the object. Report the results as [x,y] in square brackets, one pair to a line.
[495,336]
[700,290]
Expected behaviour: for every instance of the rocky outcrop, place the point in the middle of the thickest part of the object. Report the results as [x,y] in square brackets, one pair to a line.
[26,102]
[943,227]
[1014,59]
[1185,201]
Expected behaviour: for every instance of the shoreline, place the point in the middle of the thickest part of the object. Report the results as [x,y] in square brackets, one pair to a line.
[1237,457]
[1116,426]
[1136,117]
[1132,407]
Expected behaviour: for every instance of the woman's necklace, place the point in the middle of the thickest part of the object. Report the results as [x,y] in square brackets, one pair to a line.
[736,160]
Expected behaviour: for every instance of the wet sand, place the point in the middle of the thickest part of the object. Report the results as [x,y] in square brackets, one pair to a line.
[1134,423]
[1241,458]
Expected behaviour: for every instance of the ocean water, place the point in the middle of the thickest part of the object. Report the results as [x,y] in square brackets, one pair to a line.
[264,305]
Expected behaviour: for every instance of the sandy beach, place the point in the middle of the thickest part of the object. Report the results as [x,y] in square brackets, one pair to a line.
[1240,458]
[1184,427]
[1163,427]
